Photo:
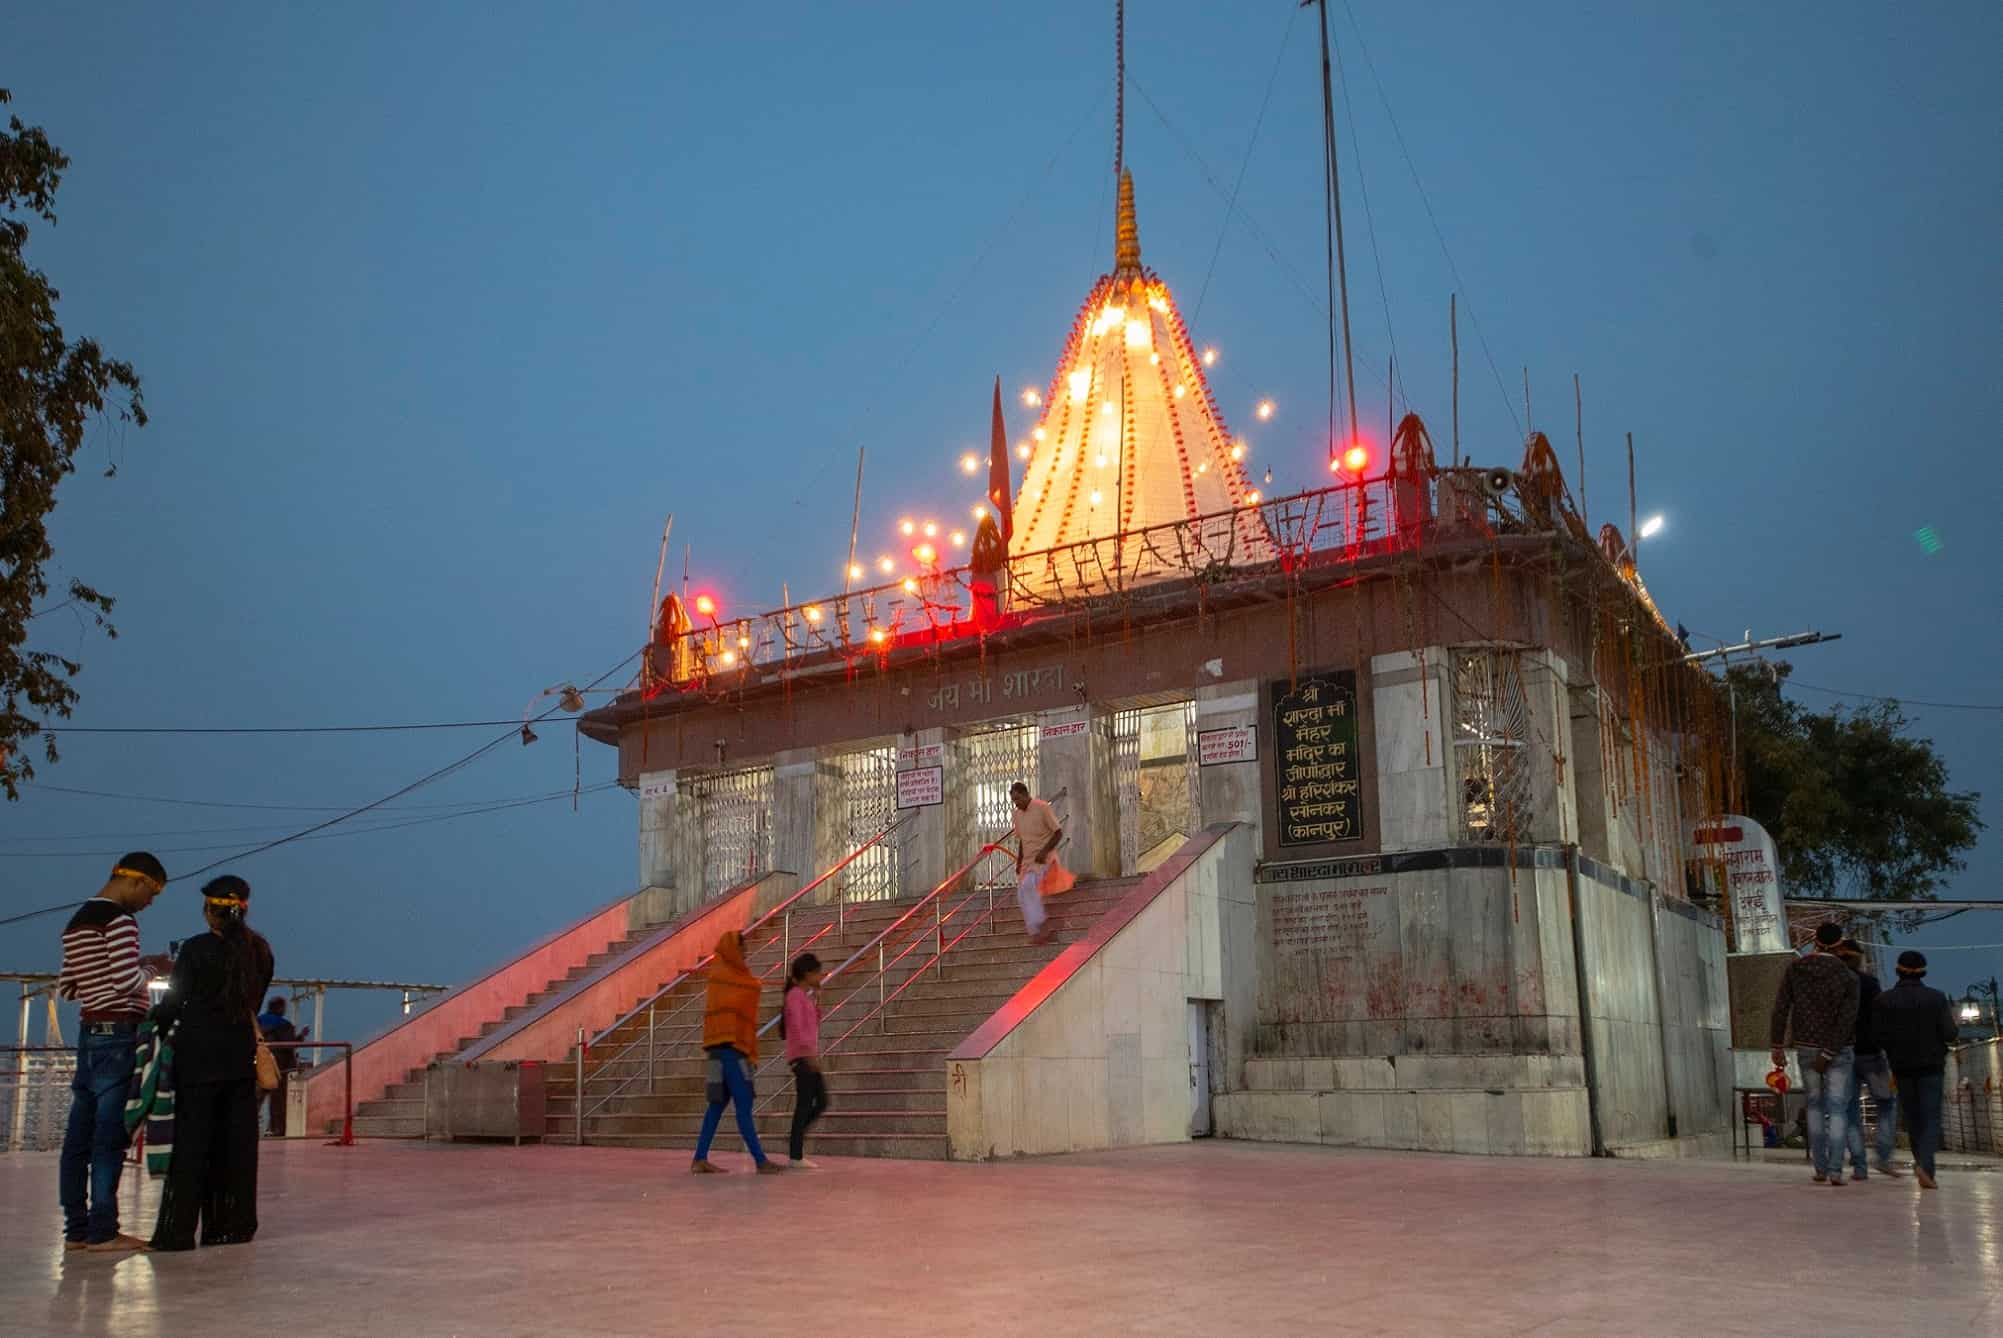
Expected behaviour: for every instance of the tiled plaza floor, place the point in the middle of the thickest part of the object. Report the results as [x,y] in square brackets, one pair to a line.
[1211,1238]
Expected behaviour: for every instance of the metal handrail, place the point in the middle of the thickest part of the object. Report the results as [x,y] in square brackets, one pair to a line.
[936,960]
[647,1005]
[877,943]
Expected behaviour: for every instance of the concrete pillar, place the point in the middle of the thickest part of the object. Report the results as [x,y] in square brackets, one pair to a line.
[1412,715]
[1554,797]
[926,848]
[1587,771]
[1229,791]
[655,903]
[1074,755]
[807,827]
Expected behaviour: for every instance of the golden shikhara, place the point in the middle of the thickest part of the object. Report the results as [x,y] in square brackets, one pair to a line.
[1130,436]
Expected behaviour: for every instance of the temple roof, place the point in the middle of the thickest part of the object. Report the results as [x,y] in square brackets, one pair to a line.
[1130,436]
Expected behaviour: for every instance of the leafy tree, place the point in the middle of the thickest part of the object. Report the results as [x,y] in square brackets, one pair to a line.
[50,391]
[1857,805]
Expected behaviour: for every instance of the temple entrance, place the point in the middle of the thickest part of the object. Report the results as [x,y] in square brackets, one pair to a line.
[869,804]
[990,761]
[1154,770]
[734,825]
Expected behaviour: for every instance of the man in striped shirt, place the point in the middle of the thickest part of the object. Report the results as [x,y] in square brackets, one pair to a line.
[104,973]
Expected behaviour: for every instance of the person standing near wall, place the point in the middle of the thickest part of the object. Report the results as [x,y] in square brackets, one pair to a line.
[1873,1073]
[1916,1025]
[1818,999]
[103,972]
[1037,834]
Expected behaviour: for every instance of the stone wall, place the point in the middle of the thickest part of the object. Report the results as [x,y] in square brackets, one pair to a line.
[1095,1051]
[1432,1000]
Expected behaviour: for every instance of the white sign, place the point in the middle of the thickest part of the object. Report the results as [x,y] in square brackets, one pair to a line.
[1737,852]
[921,788]
[660,787]
[921,755]
[1233,743]
[1065,730]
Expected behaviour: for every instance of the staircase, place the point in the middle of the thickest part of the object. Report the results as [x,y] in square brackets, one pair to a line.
[886,1076]
[399,1113]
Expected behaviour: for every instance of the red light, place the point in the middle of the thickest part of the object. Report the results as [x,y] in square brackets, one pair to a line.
[705,606]
[1356,459]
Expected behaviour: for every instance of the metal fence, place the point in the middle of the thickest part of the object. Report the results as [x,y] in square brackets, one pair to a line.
[1972,1099]
[734,815]
[1491,743]
[1155,774]
[35,1097]
[990,761]
[869,804]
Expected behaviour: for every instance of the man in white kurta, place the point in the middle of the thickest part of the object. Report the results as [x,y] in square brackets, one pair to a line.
[1037,834]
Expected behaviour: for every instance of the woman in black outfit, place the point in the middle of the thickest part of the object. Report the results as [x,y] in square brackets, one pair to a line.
[211,1003]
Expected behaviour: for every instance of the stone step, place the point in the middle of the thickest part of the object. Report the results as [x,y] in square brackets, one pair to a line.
[772,1122]
[776,1098]
[385,1127]
[910,1147]
[693,1084]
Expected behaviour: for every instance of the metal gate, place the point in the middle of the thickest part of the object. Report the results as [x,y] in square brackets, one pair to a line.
[735,818]
[869,804]
[1491,738]
[979,809]
[1154,774]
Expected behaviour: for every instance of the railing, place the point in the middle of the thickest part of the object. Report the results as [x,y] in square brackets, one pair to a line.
[18,1139]
[884,962]
[935,963]
[1352,519]
[782,912]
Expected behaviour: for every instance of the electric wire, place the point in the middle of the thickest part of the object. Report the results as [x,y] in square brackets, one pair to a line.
[1231,205]
[366,830]
[130,837]
[274,729]
[426,779]
[1438,233]
[1251,224]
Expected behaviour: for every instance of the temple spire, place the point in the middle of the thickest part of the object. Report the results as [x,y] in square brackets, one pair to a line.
[1126,232]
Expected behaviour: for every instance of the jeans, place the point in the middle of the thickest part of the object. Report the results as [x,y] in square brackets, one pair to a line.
[810,1103]
[1876,1074]
[94,1143]
[737,1086]
[1029,894]
[1919,1098]
[1828,1097]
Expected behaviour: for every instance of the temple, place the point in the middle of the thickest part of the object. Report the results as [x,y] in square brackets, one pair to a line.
[1378,794]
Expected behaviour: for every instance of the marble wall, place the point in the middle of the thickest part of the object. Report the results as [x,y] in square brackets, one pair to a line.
[1096,1050]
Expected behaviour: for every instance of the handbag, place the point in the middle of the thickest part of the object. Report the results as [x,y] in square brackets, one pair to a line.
[266,1063]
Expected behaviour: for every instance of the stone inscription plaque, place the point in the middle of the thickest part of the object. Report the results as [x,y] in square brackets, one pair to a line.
[1332,923]
[1319,787]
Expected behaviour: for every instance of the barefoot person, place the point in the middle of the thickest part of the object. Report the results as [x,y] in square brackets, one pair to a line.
[104,973]
[730,1039]
[800,1024]
[1037,834]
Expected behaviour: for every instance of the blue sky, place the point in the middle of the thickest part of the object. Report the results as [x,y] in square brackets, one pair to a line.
[442,309]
